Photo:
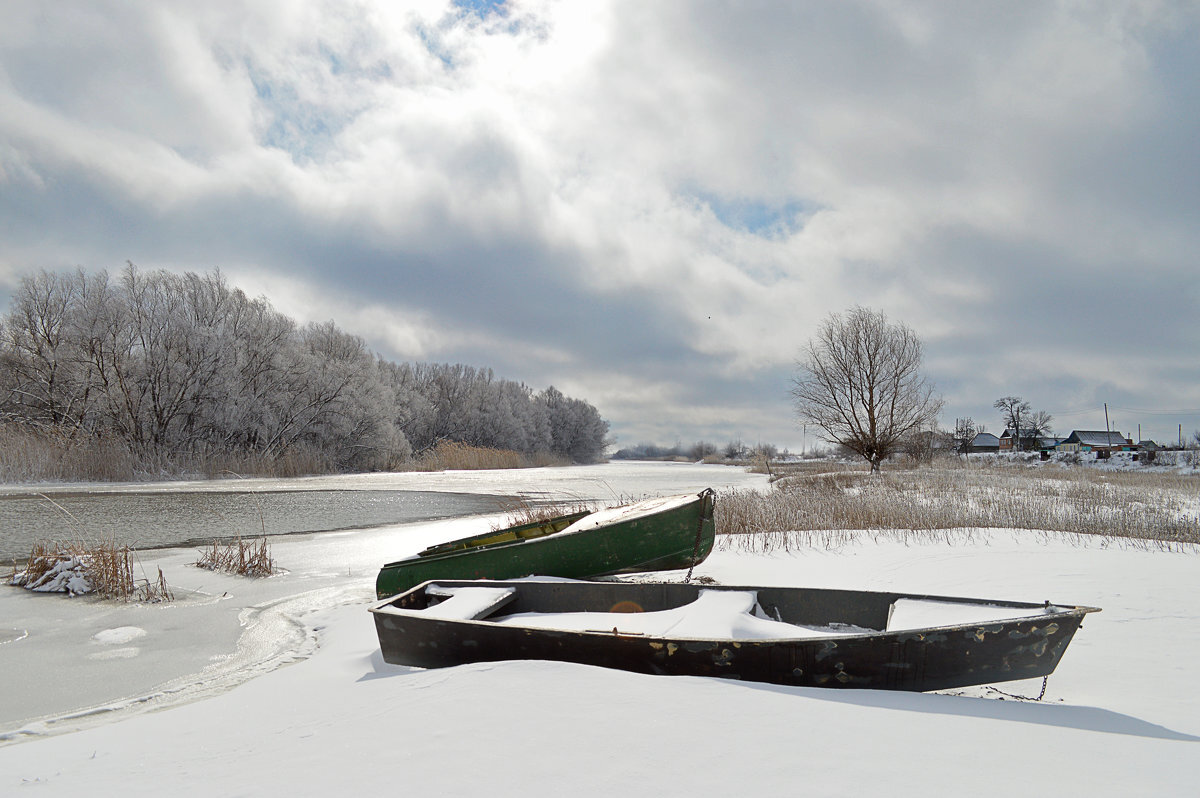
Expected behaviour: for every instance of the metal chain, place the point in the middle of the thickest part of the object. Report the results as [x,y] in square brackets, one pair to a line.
[704,495]
[1041,695]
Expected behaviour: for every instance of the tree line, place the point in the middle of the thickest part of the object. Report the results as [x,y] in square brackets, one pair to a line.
[1026,425]
[185,367]
[700,450]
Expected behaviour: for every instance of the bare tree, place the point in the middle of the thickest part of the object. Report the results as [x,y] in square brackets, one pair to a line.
[1014,412]
[964,432]
[859,381]
[1040,424]
[1026,424]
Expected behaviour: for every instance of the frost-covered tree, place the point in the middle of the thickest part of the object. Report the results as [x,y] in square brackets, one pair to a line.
[182,367]
[46,374]
[576,429]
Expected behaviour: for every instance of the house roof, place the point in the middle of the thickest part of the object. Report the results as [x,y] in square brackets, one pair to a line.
[985,439]
[1089,437]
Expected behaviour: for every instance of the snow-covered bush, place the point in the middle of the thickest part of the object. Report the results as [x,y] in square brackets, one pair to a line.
[104,569]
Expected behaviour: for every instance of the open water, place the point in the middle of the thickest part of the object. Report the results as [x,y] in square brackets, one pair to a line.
[192,518]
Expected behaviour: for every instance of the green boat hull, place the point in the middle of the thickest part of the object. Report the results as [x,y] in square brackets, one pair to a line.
[676,537]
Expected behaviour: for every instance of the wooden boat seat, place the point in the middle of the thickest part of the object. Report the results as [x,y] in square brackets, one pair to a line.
[467,603]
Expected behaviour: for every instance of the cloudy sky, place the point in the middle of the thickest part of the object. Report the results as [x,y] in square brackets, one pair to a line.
[649,205]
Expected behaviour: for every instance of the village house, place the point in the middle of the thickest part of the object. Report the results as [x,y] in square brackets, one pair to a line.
[1099,441]
[1030,441]
[982,442]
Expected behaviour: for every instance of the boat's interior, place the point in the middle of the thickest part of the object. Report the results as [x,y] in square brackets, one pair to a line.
[679,611]
[535,529]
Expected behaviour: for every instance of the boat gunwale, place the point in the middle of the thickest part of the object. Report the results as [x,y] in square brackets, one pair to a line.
[562,534]
[1065,612]
[432,552]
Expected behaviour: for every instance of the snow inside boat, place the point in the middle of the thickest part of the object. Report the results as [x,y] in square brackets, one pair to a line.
[780,635]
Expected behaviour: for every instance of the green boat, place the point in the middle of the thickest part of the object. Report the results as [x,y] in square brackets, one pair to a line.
[651,535]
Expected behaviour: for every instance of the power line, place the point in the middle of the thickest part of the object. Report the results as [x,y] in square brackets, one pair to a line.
[1158,412]
[1060,413]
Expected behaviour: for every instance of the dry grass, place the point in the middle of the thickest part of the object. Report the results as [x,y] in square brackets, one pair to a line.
[31,455]
[456,456]
[1161,509]
[295,462]
[28,454]
[527,512]
[240,557]
[790,468]
[104,569]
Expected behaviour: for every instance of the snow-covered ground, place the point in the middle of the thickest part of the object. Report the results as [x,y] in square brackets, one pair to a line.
[190,698]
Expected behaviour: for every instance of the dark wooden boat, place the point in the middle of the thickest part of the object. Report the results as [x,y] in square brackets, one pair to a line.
[781,635]
[652,535]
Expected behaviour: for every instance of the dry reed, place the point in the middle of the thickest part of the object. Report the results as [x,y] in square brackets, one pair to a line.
[33,455]
[29,454]
[104,569]
[1160,509]
[240,557]
[525,511]
[456,456]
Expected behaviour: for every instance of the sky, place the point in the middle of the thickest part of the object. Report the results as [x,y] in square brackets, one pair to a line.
[650,206]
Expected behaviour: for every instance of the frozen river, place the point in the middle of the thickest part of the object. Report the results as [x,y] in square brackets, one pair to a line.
[63,663]
[189,513]
[155,519]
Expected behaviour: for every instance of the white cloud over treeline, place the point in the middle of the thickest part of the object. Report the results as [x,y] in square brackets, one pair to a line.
[649,205]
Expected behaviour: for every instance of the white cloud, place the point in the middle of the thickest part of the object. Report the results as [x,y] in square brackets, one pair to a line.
[655,202]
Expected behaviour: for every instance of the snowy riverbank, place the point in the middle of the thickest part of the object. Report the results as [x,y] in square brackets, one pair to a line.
[1120,715]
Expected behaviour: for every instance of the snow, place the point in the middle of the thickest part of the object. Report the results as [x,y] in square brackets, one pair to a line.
[714,614]
[65,576]
[627,512]
[927,613]
[122,634]
[463,603]
[277,687]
